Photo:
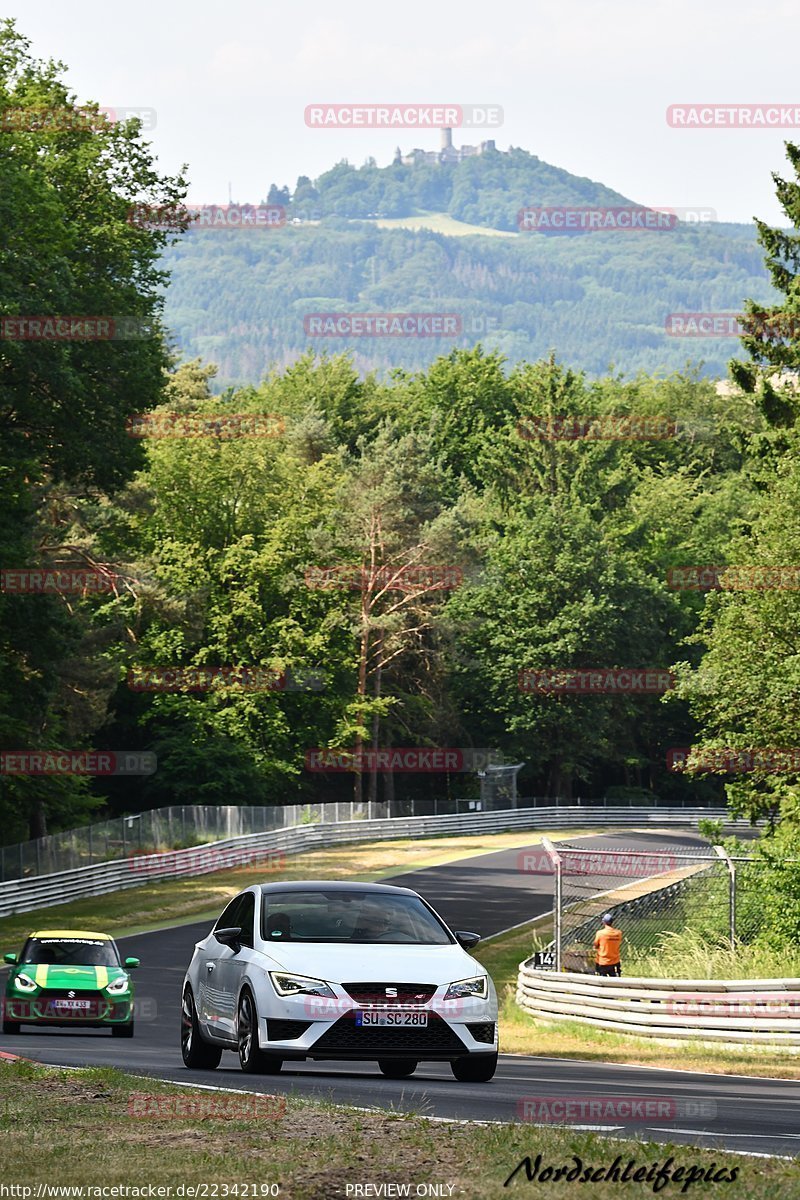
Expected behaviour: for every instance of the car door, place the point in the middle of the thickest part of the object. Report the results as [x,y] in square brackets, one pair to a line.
[231,965]
[211,1003]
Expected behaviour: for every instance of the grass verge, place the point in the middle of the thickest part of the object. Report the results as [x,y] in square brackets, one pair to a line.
[82,1129]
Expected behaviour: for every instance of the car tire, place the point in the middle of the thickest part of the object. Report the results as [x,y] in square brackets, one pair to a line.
[397,1068]
[122,1030]
[252,1058]
[11,1027]
[476,1068]
[197,1054]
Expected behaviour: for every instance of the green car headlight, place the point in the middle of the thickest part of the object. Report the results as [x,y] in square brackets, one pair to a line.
[118,986]
[24,983]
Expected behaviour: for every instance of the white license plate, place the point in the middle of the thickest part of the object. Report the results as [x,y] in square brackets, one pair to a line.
[416,1019]
[72,1005]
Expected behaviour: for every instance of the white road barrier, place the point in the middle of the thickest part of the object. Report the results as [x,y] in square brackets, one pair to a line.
[743,1012]
[43,891]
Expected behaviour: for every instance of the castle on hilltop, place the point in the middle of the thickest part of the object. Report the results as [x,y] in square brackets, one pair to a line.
[448,153]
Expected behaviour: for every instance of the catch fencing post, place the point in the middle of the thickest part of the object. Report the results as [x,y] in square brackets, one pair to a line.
[723,853]
[555,859]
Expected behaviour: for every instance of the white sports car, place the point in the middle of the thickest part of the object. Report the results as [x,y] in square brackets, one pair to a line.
[338,971]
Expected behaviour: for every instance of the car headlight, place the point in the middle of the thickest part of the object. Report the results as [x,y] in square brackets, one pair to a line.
[25,984]
[477,986]
[118,985]
[297,985]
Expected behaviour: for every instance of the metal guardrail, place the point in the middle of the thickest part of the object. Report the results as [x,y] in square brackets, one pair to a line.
[181,825]
[43,891]
[740,1012]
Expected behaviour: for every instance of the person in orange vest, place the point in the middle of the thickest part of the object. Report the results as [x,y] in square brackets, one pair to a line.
[607,943]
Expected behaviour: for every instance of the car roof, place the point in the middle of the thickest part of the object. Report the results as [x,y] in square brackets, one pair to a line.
[71,933]
[337,885]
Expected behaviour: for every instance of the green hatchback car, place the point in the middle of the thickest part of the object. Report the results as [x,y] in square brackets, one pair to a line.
[69,977]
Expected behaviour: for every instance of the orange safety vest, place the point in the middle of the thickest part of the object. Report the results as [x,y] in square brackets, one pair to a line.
[607,944]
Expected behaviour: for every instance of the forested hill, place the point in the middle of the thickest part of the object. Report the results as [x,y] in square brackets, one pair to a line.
[239,298]
[488,189]
[352,242]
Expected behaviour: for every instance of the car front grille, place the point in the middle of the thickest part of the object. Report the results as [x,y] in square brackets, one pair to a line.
[376,993]
[45,1007]
[436,1036]
[482,1031]
[283,1030]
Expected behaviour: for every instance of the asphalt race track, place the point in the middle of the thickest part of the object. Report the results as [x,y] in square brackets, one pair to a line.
[486,894]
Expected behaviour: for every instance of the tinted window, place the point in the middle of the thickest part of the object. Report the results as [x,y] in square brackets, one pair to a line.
[246,916]
[339,916]
[73,952]
[229,918]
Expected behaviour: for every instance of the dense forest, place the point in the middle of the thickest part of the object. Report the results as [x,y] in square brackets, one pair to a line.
[601,298]
[285,542]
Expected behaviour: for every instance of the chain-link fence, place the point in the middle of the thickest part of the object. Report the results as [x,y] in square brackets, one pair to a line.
[701,895]
[180,826]
[161,829]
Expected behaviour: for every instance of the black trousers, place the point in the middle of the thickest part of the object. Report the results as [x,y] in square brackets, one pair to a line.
[608,969]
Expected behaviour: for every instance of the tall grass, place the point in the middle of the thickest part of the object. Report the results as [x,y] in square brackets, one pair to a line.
[692,955]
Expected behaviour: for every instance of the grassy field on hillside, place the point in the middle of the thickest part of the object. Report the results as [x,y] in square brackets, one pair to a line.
[441,223]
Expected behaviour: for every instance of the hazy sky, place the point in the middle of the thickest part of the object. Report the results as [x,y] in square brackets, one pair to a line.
[584,84]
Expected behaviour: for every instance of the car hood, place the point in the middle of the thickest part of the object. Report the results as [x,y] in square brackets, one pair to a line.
[352,963]
[79,978]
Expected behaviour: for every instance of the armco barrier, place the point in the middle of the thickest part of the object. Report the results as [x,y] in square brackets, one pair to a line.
[742,1012]
[43,891]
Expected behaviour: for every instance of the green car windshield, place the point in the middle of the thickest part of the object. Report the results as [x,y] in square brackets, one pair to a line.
[72,952]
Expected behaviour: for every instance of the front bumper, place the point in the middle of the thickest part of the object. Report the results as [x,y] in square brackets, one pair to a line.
[48,1008]
[300,1027]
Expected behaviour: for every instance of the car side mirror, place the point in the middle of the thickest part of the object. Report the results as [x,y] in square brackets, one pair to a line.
[230,937]
[10,957]
[130,963]
[467,940]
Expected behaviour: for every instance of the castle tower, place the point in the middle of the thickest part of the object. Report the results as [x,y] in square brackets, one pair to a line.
[447,139]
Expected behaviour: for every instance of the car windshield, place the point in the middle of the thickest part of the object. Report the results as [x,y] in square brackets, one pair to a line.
[345,916]
[72,952]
